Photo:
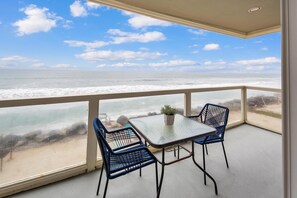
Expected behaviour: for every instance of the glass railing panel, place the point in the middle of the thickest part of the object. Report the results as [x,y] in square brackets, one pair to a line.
[264,109]
[41,139]
[227,98]
[114,113]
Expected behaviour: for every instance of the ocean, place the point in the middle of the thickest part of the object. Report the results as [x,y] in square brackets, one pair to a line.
[18,84]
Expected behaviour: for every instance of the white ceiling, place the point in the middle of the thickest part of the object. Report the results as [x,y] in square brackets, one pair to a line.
[224,16]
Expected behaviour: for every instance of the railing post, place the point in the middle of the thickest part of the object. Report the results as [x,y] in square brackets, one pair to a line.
[187,104]
[91,138]
[244,104]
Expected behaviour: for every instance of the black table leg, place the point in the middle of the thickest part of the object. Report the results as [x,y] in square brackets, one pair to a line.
[162,173]
[193,157]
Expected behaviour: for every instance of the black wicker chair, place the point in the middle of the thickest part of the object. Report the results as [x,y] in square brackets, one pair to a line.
[217,117]
[122,152]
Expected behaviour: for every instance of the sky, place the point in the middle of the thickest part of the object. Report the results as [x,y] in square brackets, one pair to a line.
[77,35]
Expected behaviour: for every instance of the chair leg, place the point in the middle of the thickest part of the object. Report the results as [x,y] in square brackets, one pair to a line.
[204,168]
[225,155]
[106,185]
[157,176]
[178,151]
[100,179]
[174,152]
[140,171]
[206,149]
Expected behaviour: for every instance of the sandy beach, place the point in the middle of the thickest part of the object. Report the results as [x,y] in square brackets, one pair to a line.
[34,162]
[265,121]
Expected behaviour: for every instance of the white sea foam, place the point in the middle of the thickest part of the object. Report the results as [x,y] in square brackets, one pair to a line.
[18,93]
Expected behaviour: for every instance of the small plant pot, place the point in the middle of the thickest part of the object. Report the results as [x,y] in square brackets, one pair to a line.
[169,119]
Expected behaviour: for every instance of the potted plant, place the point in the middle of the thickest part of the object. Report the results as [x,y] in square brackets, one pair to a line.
[169,113]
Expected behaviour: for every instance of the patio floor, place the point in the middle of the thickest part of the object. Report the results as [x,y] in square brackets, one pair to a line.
[255,160]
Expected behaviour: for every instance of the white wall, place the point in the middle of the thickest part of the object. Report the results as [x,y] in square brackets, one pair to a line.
[289,75]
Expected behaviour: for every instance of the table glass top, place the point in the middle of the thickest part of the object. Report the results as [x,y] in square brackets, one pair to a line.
[159,135]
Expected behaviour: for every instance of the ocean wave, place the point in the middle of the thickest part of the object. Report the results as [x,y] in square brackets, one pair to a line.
[50,92]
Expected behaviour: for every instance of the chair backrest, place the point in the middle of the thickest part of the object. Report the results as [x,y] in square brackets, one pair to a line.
[215,116]
[105,149]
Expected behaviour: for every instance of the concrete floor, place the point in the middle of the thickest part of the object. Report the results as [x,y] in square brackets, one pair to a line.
[255,161]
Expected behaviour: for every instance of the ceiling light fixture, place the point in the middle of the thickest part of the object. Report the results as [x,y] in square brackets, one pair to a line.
[255,9]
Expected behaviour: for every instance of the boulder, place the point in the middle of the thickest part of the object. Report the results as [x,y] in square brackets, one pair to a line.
[9,141]
[77,129]
[152,113]
[1,141]
[3,153]
[122,120]
[233,105]
[22,143]
[32,135]
[53,136]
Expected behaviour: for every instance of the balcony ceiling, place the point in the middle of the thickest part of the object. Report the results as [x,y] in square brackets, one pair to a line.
[224,16]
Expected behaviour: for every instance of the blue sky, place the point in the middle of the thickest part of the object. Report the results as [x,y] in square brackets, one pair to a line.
[68,34]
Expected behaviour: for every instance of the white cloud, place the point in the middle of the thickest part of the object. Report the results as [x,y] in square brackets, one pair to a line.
[17,61]
[118,37]
[193,46]
[141,21]
[256,68]
[214,63]
[211,46]
[62,66]
[77,9]
[190,65]
[264,48]
[239,47]
[262,61]
[38,65]
[144,49]
[197,32]
[67,24]
[127,64]
[257,42]
[101,65]
[37,20]
[124,37]
[168,65]
[269,64]
[107,55]
[92,5]
[87,45]
[195,52]
[174,63]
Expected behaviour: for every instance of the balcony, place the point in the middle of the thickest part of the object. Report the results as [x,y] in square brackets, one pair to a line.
[255,171]
[48,156]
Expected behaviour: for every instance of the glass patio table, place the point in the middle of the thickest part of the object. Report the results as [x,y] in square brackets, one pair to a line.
[159,135]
